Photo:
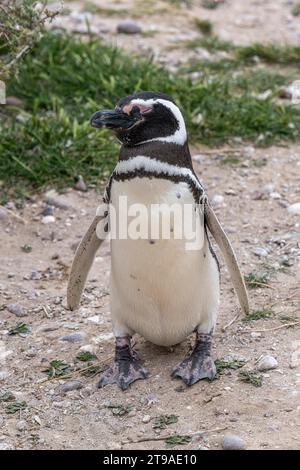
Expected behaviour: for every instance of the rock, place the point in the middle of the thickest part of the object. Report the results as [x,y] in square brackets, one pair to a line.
[68,387]
[73,338]
[294,209]
[54,199]
[48,210]
[3,375]
[14,101]
[48,219]
[146,419]
[217,200]
[35,276]
[285,93]
[91,348]
[94,319]
[21,425]
[31,352]
[5,446]
[2,213]
[267,363]
[295,356]
[17,310]
[80,184]
[129,27]
[255,334]
[261,252]
[233,442]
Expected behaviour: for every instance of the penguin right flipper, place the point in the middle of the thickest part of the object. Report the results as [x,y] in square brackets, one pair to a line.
[225,246]
[83,261]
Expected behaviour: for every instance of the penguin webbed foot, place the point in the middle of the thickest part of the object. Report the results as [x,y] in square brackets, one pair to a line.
[198,364]
[126,368]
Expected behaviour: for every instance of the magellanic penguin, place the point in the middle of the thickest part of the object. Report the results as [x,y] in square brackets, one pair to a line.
[158,288]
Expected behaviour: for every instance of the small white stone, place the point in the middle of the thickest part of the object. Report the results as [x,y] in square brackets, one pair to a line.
[233,442]
[267,363]
[21,425]
[94,319]
[294,208]
[254,334]
[146,419]
[217,200]
[48,219]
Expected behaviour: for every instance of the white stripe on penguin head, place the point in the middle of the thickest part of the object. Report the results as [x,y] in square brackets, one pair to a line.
[179,136]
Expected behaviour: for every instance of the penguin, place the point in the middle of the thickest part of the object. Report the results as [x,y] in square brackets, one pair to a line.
[158,288]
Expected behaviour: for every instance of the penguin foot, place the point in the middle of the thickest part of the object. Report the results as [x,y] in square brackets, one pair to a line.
[126,368]
[198,364]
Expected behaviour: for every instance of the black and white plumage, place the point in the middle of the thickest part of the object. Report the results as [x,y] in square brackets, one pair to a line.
[158,289]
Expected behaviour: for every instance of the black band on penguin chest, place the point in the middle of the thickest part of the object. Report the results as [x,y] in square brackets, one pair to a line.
[172,154]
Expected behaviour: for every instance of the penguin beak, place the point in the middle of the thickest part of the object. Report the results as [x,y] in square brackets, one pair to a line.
[114,119]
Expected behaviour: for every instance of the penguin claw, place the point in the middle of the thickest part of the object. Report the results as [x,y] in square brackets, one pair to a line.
[123,374]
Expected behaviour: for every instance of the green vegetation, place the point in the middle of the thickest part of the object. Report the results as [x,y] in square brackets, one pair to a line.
[222,365]
[259,314]
[254,280]
[162,421]
[19,329]
[63,80]
[205,26]
[177,440]
[251,377]
[120,410]
[58,368]
[15,406]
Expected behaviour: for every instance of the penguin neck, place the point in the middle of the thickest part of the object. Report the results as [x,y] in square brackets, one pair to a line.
[167,152]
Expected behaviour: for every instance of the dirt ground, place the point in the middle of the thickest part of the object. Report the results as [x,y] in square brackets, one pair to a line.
[255,212]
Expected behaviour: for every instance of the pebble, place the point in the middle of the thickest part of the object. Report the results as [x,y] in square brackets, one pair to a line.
[21,425]
[233,442]
[17,310]
[54,199]
[80,184]
[267,363]
[68,387]
[35,276]
[91,348]
[48,210]
[254,334]
[48,219]
[129,27]
[3,375]
[146,419]
[295,356]
[73,338]
[217,200]
[294,208]
[2,214]
[261,252]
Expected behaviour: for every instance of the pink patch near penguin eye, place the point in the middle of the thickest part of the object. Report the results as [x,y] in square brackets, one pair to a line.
[143,109]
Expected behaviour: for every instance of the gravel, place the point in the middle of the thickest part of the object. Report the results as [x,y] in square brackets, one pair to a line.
[233,442]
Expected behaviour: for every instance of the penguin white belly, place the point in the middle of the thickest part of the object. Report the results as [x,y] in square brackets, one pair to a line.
[160,289]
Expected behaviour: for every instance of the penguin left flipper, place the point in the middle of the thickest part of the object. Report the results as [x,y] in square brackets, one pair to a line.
[83,261]
[224,244]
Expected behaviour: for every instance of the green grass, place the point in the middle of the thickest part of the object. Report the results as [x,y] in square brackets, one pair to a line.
[255,280]
[296,9]
[64,80]
[177,440]
[270,53]
[162,421]
[222,365]
[251,377]
[259,314]
[19,329]
[205,26]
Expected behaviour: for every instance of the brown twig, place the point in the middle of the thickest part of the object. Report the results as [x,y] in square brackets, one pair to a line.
[18,217]
[78,371]
[162,438]
[224,328]
[286,325]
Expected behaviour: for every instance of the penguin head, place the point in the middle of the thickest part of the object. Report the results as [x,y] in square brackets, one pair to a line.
[143,117]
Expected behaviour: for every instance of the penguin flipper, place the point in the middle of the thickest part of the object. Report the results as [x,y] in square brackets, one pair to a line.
[230,258]
[83,260]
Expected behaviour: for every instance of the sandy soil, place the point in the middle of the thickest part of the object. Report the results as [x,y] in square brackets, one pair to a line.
[255,214]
